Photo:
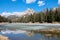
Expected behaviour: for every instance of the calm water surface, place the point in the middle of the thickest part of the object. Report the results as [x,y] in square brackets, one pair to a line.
[19,31]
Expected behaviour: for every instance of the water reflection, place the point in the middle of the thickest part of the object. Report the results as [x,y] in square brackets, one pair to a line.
[44,36]
[31,36]
[24,32]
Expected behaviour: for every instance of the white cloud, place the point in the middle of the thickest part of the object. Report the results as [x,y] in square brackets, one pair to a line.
[13,0]
[6,14]
[41,3]
[30,1]
[58,1]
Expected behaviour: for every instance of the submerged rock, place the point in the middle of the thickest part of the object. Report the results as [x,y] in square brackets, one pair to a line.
[3,38]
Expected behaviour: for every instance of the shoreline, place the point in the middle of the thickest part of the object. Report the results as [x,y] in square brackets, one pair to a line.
[33,23]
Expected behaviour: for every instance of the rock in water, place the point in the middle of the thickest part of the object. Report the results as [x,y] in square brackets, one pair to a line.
[3,37]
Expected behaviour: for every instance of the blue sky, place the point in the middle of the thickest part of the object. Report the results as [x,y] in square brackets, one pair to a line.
[22,5]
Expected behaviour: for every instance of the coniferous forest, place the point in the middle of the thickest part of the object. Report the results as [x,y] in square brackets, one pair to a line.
[47,15]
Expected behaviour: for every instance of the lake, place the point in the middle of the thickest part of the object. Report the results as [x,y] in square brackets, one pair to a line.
[22,31]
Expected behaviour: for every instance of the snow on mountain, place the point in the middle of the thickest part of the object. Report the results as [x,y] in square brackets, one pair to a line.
[27,12]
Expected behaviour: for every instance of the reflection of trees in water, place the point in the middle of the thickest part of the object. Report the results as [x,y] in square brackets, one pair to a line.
[48,34]
[51,36]
[29,33]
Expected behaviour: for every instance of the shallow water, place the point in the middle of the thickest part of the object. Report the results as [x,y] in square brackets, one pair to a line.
[20,31]
[26,36]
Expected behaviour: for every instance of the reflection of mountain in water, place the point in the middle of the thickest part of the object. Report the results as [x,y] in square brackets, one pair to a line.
[17,32]
[38,36]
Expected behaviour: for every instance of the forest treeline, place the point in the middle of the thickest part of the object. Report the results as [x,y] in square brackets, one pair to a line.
[3,19]
[48,15]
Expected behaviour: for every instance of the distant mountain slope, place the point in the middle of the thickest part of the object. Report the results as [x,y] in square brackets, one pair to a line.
[17,15]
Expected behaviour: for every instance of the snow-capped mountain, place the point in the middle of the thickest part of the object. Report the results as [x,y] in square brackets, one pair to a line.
[19,14]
